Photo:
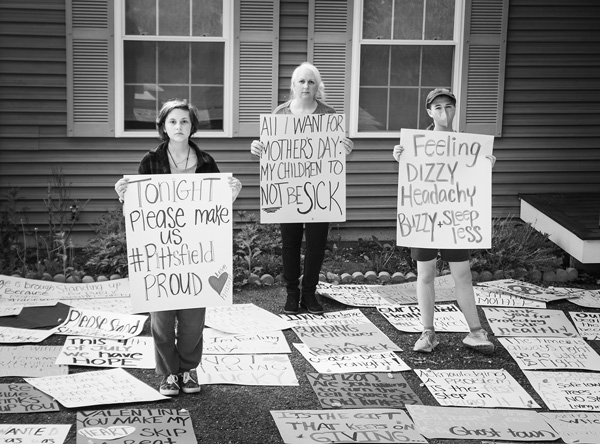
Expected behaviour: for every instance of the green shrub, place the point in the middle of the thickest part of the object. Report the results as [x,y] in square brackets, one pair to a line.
[106,252]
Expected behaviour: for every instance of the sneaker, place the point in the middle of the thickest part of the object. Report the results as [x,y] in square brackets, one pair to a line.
[311,304]
[189,382]
[427,342]
[478,340]
[169,386]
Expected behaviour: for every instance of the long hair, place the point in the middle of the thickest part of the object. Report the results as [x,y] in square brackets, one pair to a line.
[166,109]
[320,85]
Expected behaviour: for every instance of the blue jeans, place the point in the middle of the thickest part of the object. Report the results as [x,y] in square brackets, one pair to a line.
[180,351]
[316,241]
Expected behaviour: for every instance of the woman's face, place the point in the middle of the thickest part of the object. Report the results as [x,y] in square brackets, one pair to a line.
[305,84]
[178,125]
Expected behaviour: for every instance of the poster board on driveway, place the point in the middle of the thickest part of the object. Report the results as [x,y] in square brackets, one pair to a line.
[444,190]
[302,168]
[179,241]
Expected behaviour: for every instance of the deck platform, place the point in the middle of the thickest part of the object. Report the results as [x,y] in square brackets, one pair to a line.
[572,221]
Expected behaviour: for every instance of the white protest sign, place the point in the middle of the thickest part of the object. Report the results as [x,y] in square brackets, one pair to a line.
[135,352]
[444,190]
[114,386]
[31,360]
[524,290]
[406,293]
[476,388]
[34,433]
[216,342]
[10,310]
[575,428]
[23,398]
[179,241]
[353,295]
[13,335]
[102,324]
[354,316]
[588,324]
[243,318]
[302,168]
[115,305]
[447,318]
[487,296]
[529,322]
[353,363]
[246,370]
[567,390]
[552,353]
[480,424]
[344,426]
[583,298]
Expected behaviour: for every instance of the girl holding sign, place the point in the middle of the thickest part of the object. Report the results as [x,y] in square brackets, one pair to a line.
[441,107]
[177,333]
[307,93]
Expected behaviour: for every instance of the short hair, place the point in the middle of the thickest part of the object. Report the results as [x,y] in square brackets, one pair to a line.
[166,109]
[320,85]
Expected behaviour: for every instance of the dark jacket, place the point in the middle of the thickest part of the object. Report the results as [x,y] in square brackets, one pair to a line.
[157,161]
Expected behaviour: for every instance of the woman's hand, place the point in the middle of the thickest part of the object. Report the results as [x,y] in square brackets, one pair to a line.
[236,187]
[257,147]
[398,150]
[348,145]
[492,159]
[121,188]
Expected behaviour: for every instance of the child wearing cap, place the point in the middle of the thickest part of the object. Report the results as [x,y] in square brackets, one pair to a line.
[441,107]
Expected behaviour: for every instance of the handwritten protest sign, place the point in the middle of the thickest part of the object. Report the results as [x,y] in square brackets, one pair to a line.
[588,324]
[444,190]
[567,390]
[114,386]
[103,324]
[115,305]
[529,322]
[476,388]
[246,370]
[34,433]
[447,318]
[337,426]
[524,290]
[354,362]
[583,298]
[135,352]
[487,296]
[552,353]
[179,241]
[24,398]
[217,342]
[244,318]
[302,168]
[353,295]
[10,335]
[480,424]
[31,360]
[31,292]
[362,390]
[135,426]
[10,310]
[577,427]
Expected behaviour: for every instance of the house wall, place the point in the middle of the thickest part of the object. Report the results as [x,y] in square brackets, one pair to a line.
[550,137]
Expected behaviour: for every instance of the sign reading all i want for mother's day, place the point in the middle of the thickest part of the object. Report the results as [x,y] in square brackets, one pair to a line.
[444,190]
[179,241]
[302,168]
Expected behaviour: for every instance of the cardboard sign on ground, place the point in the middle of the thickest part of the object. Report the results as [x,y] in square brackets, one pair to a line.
[34,433]
[247,370]
[135,352]
[447,318]
[567,390]
[244,319]
[529,322]
[101,324]
[575,428]
[216,342]
[487,296]
[31,360]
[524,290]
[587,323]
[9,335]
[24,398]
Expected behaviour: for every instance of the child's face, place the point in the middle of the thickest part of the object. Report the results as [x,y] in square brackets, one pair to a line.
[442,112]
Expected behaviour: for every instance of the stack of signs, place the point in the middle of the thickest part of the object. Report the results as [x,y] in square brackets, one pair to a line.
[488,296]
[524,290]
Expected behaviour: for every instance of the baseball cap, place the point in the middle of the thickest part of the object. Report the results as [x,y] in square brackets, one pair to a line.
[439,92]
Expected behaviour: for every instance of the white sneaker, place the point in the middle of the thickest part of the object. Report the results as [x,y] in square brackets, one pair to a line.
[479,341]
[427,342]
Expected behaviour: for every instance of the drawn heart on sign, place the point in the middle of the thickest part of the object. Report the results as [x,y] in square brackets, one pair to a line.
[217,283]
[109,433]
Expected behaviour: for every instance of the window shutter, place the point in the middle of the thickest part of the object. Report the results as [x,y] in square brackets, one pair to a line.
[90,68]
[329,48]
[256,56]
[482,93]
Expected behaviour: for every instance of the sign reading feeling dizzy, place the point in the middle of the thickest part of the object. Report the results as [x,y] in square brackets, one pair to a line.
[302,168]
[445,190]
[179,241]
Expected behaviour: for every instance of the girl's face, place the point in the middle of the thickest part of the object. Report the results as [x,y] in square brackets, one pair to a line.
[442,111]
[178,125]
[305,84]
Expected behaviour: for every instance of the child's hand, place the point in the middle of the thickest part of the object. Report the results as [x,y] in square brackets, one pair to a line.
[236,187]
[492,159]
[348,145]
[121,188]
[398,150]
[257,147]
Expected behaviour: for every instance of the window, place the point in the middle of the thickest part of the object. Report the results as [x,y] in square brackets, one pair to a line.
[403,49]
[173,49]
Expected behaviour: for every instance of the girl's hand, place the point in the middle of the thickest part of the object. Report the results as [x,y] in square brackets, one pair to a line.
[492,159]
[257,147]
[121,188]
[236,187]
[348,145]
[398,150]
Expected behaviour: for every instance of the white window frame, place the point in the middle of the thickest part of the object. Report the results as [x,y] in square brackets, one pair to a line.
[357,41]
[227,38]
